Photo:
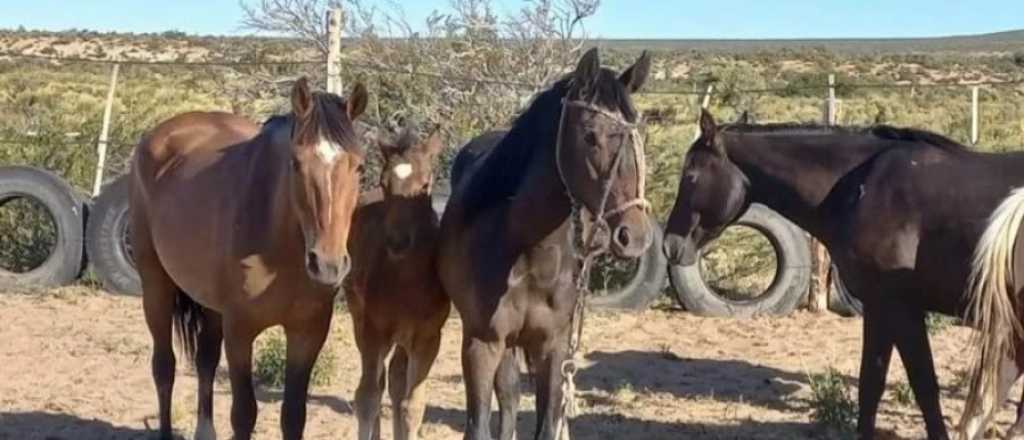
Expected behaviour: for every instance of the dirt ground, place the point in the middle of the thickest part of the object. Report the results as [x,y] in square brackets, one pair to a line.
[74,364]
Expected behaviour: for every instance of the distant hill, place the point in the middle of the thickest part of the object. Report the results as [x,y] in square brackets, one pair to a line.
[1008,41]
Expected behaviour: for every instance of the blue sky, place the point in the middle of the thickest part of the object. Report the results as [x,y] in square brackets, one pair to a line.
[615,19]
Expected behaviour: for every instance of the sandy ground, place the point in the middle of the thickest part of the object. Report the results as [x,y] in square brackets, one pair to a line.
[74,364]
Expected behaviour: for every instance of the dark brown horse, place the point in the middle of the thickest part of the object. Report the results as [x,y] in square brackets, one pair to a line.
[900,210]
[237,228]
[506,258]
[393,292]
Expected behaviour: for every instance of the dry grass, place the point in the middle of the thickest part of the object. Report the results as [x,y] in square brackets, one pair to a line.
[651,375]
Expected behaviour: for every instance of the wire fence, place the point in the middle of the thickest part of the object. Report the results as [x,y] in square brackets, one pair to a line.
[484,81]
[805,100]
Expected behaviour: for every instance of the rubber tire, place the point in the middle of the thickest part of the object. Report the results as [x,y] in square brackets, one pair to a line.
[840,300]
[787,291]
[647,282]
[104,235]
[67,211]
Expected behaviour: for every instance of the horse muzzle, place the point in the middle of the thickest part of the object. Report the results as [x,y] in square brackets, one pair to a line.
[327,271]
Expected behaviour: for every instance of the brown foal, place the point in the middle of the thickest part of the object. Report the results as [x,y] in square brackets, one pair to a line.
[394,294]
[236,228]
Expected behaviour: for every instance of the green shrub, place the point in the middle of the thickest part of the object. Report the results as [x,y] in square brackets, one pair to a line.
[903,394]
[833,408]
[271,361]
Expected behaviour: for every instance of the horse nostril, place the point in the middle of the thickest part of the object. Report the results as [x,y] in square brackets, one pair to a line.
[399,243]
[312,263]
[622,236]
[344,265]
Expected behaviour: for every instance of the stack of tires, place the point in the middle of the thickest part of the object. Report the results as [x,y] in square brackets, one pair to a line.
[66,209]
[787,290]
[107,240]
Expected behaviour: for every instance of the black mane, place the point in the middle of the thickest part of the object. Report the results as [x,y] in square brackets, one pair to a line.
[536,129]
[881,131]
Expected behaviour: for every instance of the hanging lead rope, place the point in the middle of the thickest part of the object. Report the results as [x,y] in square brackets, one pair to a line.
[582,234]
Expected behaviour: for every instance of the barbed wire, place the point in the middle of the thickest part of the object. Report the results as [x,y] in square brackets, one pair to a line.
[508,83]
[215,63]
[457,78]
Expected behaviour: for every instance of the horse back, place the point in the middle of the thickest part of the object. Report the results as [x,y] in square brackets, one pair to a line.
[472,152]
[187,136]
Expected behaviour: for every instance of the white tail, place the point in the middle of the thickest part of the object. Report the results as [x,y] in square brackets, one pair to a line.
[994,308]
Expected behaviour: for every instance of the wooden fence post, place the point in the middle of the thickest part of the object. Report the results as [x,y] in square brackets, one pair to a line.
[704,103]
[817,298]
[974,115]
[101,147]
[334,24]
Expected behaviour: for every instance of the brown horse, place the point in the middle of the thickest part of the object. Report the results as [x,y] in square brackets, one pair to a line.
[506,258]
[237,228]
[393,293]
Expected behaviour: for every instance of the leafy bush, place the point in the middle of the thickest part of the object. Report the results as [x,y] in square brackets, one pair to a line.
[271,361]
[833,407]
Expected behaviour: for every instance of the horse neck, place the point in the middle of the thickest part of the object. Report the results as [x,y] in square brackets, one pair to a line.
[286,229]
[794,174]
[541,203]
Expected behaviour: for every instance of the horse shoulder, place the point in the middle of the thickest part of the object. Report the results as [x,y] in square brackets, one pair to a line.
[885,229]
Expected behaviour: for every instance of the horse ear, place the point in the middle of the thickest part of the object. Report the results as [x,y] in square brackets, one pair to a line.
[387,143]
[302,99]
[588,67]
[709,131]
[434,144]
[357,100]
[635,76]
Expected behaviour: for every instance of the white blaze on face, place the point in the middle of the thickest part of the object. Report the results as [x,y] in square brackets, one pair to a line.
[327,150]
[402,170]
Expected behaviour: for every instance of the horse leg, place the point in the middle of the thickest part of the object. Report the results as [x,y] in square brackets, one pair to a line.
[238,339]
[398,371]
[304,342]
[412,404]
[373,348]
[874,366]
[211,335]
[159,294]
[911,336]
[550,412]
[480,360]
[506,386]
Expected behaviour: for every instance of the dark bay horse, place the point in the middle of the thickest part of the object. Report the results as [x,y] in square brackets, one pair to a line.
[237,228]
[394,294]
[506,258]
[900,210]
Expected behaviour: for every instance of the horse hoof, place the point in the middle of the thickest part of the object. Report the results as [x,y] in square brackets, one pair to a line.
[205,430]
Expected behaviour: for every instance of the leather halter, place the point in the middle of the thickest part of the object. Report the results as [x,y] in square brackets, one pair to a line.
[603,213]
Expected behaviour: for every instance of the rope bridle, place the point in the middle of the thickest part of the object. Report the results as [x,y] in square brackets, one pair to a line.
[584,249]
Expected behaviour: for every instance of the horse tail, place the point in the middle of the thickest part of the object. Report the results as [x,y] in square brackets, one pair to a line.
[992,305]
[188,318]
